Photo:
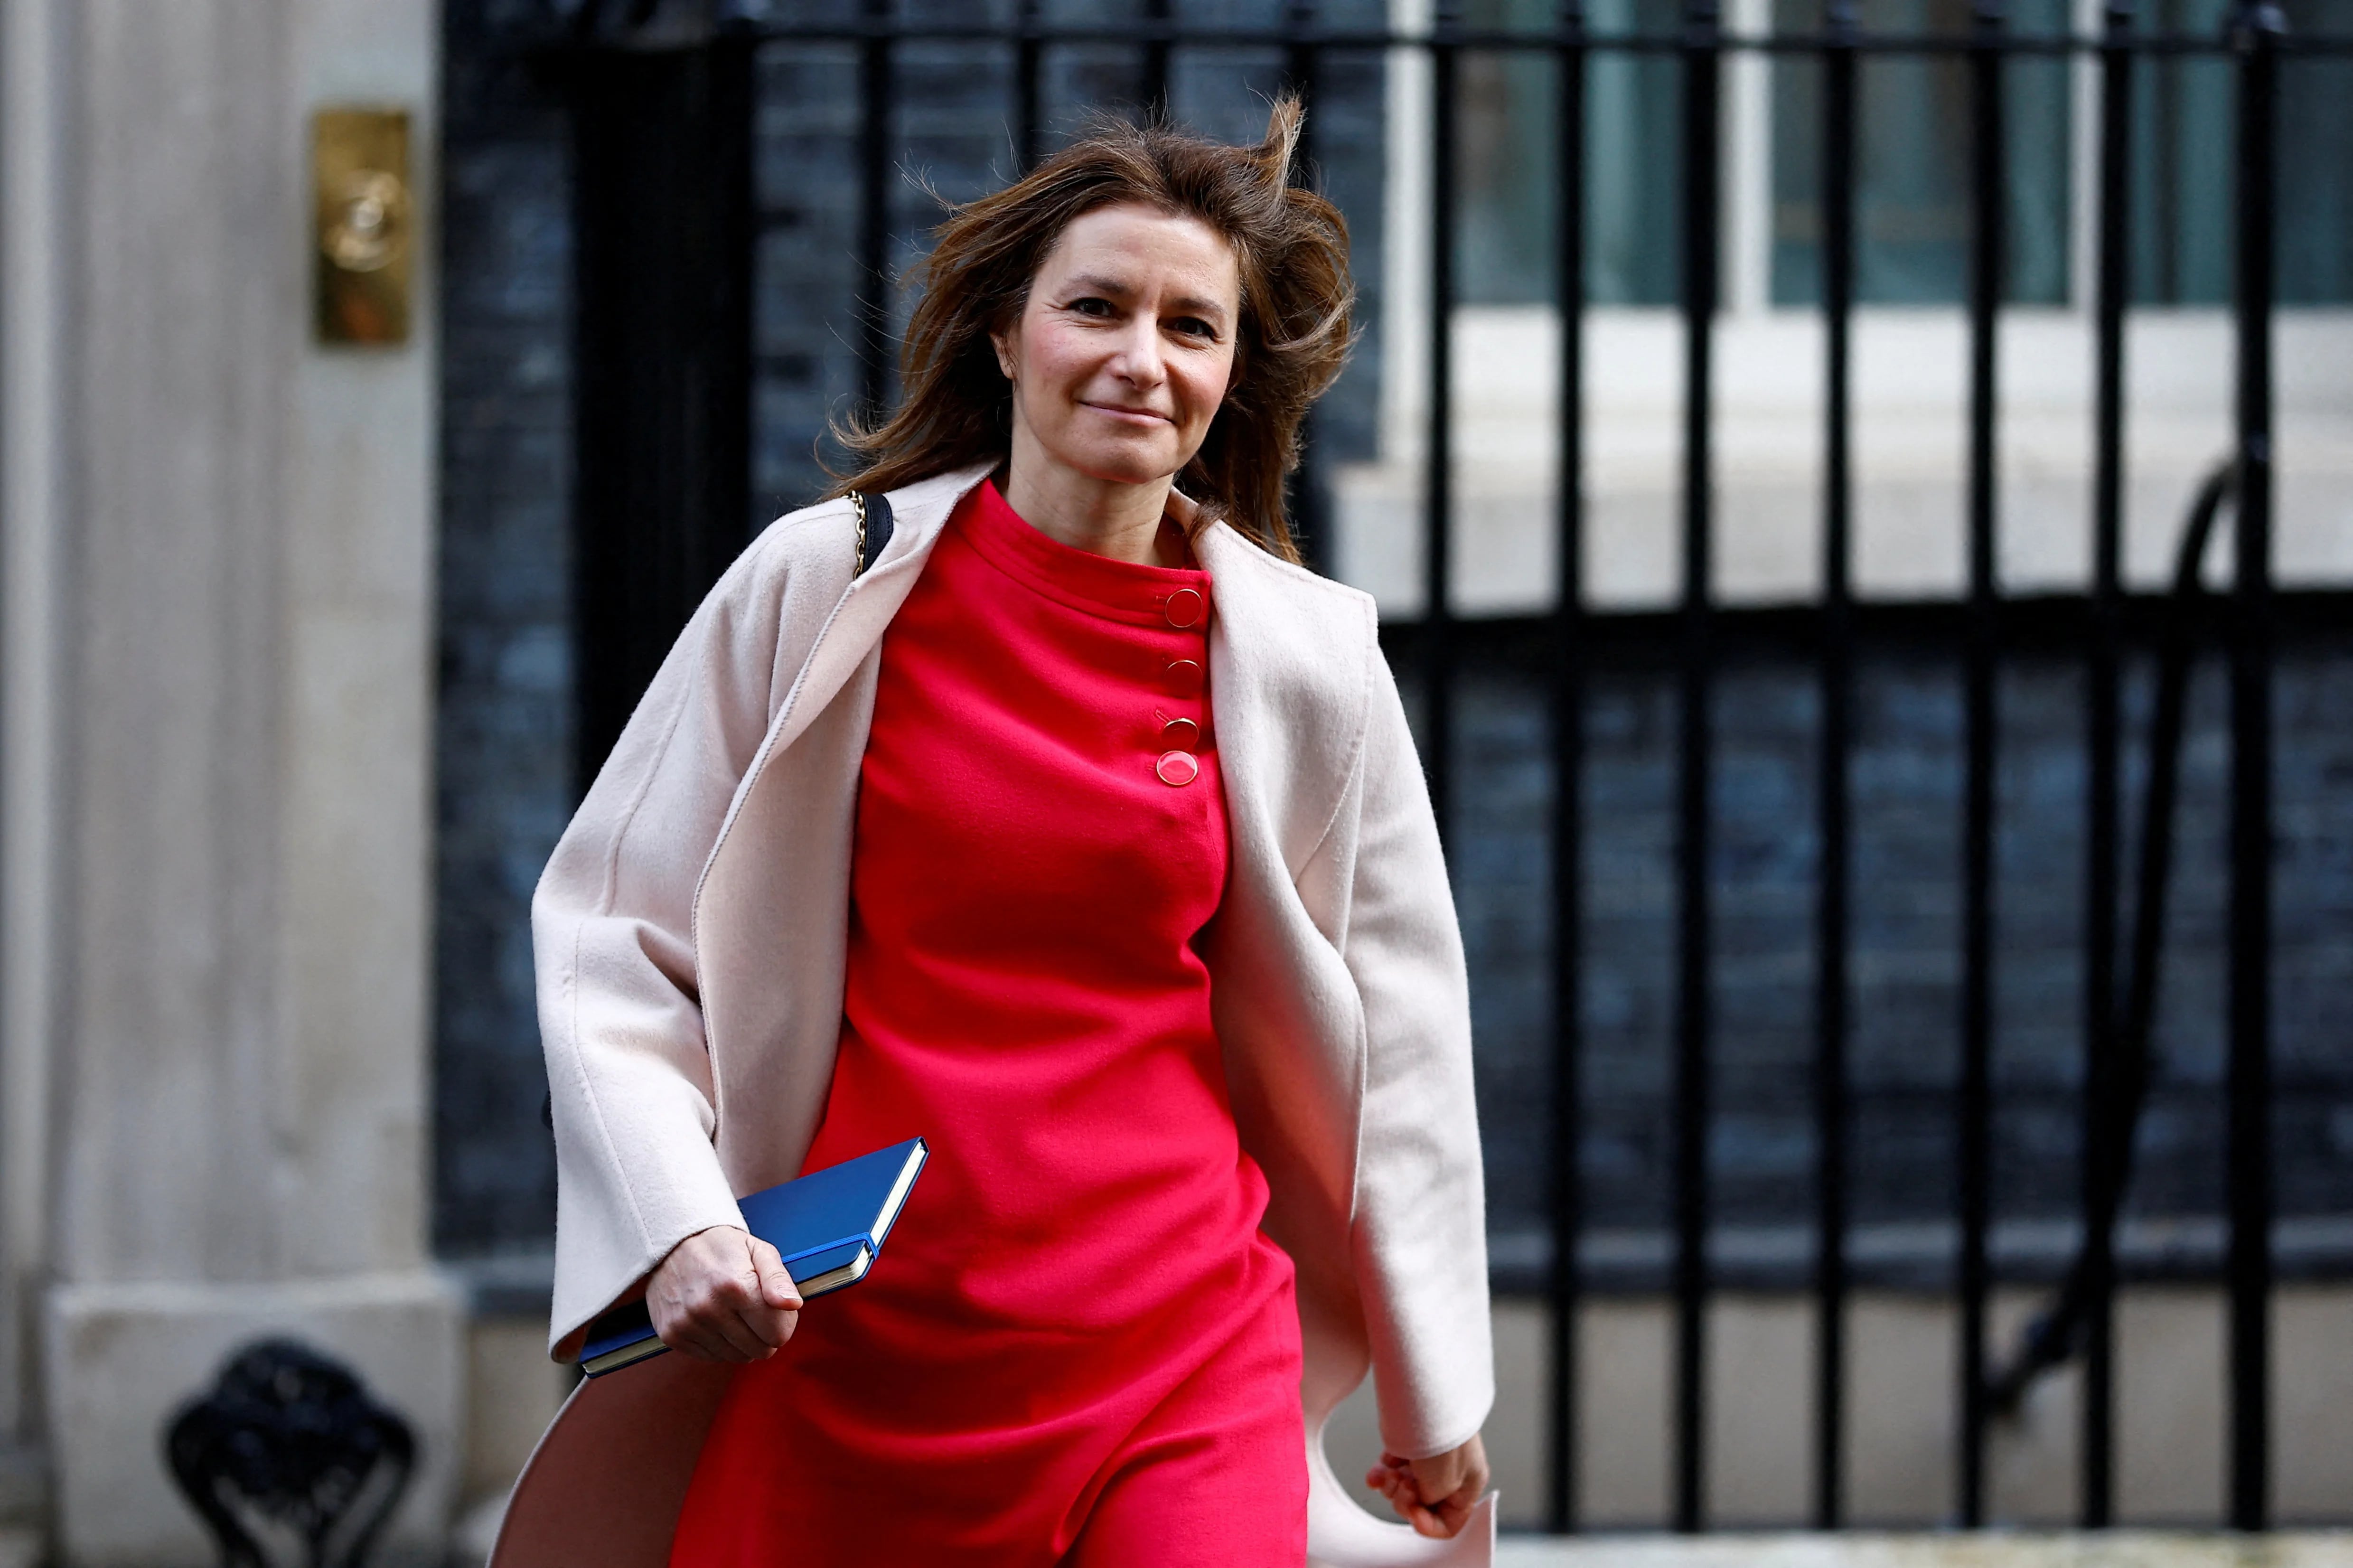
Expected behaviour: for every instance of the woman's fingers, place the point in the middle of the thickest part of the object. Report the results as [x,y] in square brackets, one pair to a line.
[773,1309]
[776,1287]
[1394,1479]
[715,1297]
[711,1341]
[736,1324]
[1434,1495]
[1446,1518]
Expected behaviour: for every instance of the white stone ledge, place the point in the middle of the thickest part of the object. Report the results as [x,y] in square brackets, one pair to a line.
[1910,474]
[121,1358]
[2171,1415]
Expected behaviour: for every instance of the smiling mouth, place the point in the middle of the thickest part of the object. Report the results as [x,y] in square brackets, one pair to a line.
[1143,414]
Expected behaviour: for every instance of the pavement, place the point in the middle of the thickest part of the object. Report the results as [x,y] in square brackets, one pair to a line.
[1992,1548]
[475,1531]
[1989,1549]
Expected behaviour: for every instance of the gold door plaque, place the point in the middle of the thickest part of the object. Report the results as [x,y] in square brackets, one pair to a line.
[361,223]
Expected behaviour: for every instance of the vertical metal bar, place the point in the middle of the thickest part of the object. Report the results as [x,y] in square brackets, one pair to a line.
[1568,761]
[1301,63]
[662,329]
[874,85]
[2103,886]
[2255,31]
[734,109]
[1831,934]
[1438,563]
[1157,15]
[1702,60]
[1309,506]
[1976,1119]
[1029,65]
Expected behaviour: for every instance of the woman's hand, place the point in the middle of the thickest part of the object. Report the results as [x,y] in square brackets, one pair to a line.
[1434,1495]
[722,1294]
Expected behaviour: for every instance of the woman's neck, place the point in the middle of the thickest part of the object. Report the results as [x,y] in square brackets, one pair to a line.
[1104,517]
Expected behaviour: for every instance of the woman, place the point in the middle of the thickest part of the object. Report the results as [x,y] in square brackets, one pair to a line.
[1082,836]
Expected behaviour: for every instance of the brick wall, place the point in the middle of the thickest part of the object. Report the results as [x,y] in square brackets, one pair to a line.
[1905,965]
[503,768]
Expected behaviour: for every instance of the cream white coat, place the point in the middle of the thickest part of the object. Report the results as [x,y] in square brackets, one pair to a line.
[691,931]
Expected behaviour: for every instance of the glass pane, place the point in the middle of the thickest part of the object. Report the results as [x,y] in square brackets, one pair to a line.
[1506,172]
[1911,165]
[2182,125]
[1504,250]
[2315,196]
[1633,130]
[2185,125]
[2316,171]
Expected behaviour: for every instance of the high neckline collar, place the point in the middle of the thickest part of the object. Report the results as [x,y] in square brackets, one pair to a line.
[1129,591]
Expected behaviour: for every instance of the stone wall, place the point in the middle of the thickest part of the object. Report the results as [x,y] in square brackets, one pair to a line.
[217,733]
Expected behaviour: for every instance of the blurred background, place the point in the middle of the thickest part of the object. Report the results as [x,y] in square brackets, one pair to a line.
[1910,911]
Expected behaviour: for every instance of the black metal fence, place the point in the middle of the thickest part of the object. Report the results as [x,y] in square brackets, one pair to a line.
[663,390]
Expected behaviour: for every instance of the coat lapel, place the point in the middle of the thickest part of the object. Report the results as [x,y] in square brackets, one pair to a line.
[774,892]
[1290,689]
[921,512]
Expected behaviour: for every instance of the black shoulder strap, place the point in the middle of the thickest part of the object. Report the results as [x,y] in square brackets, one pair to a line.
[877,532]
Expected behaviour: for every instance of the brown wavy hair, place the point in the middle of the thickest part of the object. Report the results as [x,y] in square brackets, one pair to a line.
[1295,333]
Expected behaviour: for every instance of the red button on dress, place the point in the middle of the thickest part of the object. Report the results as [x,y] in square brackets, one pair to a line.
[1078,1349]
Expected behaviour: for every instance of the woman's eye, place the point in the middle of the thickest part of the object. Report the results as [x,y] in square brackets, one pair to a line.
[1092,307]
[1194,326]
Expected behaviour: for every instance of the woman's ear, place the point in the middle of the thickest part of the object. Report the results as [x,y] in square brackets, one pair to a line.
[1002,343]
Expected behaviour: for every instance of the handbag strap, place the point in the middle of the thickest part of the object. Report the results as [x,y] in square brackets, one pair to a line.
[874,525]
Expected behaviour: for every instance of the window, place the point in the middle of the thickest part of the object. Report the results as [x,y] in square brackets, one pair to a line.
[1913,159]
[2185,116]
[1507,173]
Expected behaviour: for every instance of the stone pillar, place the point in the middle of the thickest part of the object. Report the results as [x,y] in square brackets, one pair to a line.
[217,743]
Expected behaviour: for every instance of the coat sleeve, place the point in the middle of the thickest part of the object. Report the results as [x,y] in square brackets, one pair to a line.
[1419,1232]
[629,1078]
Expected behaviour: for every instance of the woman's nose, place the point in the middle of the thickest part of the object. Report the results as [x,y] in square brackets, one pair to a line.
[1139,353]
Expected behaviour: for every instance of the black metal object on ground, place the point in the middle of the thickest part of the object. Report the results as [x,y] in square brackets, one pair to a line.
[292,1436]
[2076,1321]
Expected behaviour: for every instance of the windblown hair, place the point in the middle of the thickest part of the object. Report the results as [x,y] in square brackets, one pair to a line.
[1292,339]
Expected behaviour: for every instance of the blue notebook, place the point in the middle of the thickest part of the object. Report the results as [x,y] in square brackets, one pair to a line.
[827,1226]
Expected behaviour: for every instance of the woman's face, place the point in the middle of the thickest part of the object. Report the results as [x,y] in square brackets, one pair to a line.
[1126,345]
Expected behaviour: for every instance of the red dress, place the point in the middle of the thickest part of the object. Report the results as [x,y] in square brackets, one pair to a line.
[1078,1346]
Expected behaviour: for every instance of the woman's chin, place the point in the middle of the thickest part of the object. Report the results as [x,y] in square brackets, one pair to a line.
[1120,464]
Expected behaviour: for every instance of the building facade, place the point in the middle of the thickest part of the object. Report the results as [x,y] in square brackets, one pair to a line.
[292,644]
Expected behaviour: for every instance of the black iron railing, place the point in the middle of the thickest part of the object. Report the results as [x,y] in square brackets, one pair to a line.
[635,448]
